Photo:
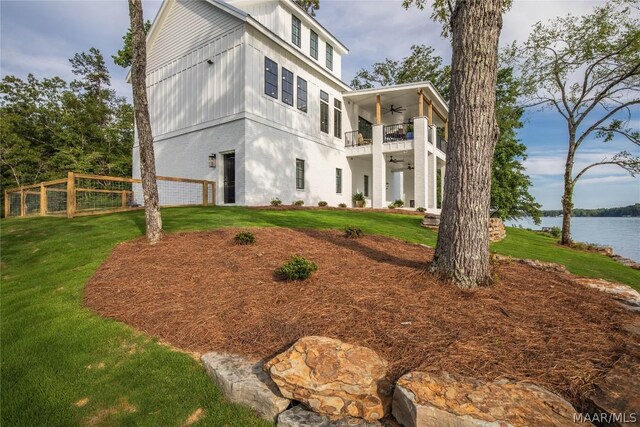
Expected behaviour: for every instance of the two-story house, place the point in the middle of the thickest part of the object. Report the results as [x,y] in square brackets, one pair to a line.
[248,93]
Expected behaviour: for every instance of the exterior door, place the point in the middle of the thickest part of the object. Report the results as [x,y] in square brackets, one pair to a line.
[229,177]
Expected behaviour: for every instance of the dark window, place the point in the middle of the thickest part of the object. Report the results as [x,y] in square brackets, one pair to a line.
[314,45]
[302,94]
[295,30]
[337,118]
[324,112]
[329,56]
[366,186]
[338,180]
[287,86]
[365,128]
[299,174]
[271,78]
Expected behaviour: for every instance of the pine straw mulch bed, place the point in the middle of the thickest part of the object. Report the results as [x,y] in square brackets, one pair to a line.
[201,292]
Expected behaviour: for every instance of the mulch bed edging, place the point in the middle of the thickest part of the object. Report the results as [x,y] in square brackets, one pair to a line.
[201,292]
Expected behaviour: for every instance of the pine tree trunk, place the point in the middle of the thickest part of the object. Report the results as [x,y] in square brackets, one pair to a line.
[462,251]
[143,123]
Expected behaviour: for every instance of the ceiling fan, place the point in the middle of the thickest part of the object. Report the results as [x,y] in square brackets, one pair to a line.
[392,160]
[410,167]
[394,109]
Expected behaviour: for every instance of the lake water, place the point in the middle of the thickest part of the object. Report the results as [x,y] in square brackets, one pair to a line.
[622,234]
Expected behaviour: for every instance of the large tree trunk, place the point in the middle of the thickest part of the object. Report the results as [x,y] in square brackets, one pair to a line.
[567,199]
[462,252]
[143,123]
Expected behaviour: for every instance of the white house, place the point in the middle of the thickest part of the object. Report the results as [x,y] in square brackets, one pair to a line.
[248,93]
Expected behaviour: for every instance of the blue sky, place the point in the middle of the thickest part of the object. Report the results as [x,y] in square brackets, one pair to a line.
[39,36]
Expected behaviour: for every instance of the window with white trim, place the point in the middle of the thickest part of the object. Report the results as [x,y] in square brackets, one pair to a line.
[287,86]
[271,78]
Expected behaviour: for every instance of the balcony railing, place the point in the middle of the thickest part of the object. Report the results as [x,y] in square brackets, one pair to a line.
[441,144]
[398,132]
[357,138]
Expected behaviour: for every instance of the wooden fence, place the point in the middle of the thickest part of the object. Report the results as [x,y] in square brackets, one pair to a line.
[84,194]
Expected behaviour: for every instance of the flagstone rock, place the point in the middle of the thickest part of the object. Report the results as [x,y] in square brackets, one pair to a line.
[333,377]
[424,399]
[629,297]
[245,382]
[299,416]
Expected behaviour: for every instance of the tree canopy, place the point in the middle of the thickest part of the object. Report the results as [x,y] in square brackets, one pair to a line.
[309,6]
[49,126]
[123,56]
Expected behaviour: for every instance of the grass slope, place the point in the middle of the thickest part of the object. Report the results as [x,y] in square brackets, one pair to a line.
[56,355]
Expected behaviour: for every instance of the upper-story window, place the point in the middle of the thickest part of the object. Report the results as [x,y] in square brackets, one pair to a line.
[296,30]
[287,86]
[313,45]
[329,56]
[324,111]
[302,94]
[271,78]
[337,118]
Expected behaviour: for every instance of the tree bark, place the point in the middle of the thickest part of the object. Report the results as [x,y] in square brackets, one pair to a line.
[462,251]
[567,196]
[143,123]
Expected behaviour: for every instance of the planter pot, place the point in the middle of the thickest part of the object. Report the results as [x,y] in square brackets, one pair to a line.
[409,135]
[359,203]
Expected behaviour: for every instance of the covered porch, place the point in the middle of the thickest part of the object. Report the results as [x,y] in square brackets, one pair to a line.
[397,145]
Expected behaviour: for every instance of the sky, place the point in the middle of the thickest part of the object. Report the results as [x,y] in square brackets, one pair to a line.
[39,37]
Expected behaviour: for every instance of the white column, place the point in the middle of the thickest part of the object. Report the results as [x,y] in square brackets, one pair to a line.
[378,196]
[432,168]
[420,133]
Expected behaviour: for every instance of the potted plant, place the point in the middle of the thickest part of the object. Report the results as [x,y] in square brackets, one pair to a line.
[409,131]
[359,200]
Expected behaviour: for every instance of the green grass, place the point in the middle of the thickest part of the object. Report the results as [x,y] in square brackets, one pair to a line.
[55,352]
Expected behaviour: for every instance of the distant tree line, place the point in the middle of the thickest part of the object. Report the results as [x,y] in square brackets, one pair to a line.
[631,210]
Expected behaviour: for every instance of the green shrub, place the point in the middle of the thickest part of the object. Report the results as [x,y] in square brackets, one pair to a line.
[421,209]
[298,203]
[358,199]
[392,206]
[244,238]
[342,205]
[353,232]
[555,231]
[322,203]
[297,268]
[398,203]
[276,201]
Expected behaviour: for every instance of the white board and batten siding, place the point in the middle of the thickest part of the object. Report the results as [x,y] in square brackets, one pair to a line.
[184,89]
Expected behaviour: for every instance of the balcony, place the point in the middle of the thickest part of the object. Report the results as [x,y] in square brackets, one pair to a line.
[358,138]
[441,143]
[398,132]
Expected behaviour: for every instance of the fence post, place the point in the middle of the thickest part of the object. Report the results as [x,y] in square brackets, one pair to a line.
[43,199]
[23,202]
[124,198]
[71,195]
[214,192]
[205,193]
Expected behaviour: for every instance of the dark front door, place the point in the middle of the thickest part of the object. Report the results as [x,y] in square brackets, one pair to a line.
[230,178]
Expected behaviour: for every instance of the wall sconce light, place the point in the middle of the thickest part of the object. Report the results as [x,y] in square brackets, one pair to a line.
[210,61]
[212,160]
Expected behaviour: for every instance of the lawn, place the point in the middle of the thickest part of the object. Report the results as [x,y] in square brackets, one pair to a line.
[63,365]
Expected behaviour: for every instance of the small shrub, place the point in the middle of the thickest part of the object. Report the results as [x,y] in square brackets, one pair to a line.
[421,209]
[392,206]
[276,201]
[297,268]
[358,199]
[353,232]
[342,205]
[398,203]
[298,203]
[555,231]
[322,203]
[244,238]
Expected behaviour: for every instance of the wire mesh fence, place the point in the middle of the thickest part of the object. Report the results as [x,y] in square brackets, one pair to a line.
[84,194]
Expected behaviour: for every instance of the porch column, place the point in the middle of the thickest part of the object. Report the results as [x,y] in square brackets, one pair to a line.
[420,132]
[378,196]
[432,180]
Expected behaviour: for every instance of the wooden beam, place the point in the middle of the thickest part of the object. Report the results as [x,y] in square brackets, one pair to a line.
[420,103]
[71,195]
[205,193]
[378,111]
[43,199]
[430,113]
[123,198]
[7,204]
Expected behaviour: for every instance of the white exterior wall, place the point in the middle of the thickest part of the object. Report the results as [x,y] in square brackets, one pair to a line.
[270,169]
[187,156]
[360,166]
